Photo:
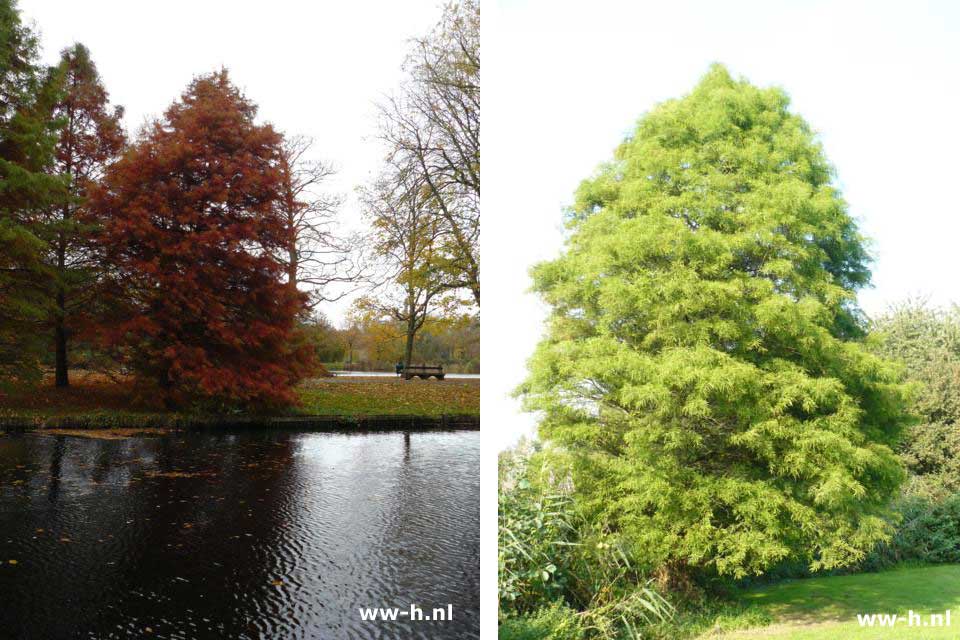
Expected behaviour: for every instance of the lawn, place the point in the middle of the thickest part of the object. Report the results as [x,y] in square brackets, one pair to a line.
[822,608]
[117,401]
[390,396]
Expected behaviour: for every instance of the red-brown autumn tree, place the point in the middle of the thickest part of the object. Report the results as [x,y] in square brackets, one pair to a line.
[191,235]
[91,137]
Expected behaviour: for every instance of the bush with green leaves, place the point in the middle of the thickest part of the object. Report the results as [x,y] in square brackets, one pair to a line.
[928,532]
[926,340]
[704,360]
[536,534]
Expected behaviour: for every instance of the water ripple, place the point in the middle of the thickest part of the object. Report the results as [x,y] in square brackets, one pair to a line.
[245,535]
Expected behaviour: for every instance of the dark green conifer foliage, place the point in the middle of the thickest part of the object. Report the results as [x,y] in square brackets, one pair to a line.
[703,360]
[26,147]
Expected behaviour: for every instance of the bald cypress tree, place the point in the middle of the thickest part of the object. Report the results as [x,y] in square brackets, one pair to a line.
[90,138]
[704,361]
[191,230]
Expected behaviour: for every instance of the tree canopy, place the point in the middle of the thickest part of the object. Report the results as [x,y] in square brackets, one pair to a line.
[90,138]
[193,258]
[703,360]
[26,148]
[432,130]
[927,341]
[191,236]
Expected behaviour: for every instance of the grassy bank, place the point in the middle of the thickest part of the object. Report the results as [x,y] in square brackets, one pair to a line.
[390,396]
[96,400]
[826,608]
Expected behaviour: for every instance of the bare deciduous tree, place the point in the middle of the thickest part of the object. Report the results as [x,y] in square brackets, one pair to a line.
[406,233]
[432,128]
[317,257]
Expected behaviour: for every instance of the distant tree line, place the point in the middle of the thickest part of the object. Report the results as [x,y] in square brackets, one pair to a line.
[369,343]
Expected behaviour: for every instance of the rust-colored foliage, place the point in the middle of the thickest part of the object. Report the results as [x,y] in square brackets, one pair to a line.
[190,234]
[91,135]
[90,138]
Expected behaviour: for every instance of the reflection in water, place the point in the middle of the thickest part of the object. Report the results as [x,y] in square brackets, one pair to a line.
[56,460]
[244,535]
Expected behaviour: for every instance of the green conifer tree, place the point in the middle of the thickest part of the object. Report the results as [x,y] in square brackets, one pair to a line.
[26,148]
[704,361]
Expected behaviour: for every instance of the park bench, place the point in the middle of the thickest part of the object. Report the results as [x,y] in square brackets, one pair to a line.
[423,371]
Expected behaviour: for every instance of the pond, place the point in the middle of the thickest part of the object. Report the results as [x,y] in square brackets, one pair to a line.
[252,534]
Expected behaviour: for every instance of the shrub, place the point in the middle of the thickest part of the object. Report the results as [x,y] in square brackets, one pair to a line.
[928,532]
[926,341]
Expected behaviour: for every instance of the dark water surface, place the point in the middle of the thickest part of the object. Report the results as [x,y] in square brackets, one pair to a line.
[255,534]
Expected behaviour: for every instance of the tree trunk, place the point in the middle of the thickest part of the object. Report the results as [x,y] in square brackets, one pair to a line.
[61,375]
[292,263]
[411,330]
[674,576]
[166,389]
[60,337]
[62,378]
[408,350]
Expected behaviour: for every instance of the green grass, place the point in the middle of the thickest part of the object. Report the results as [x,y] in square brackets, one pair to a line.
[390,396]
[110,403]
[708,619]
[822,608]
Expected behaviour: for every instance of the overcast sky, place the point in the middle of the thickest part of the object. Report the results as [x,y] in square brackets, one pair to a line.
[880,82]
[314,68]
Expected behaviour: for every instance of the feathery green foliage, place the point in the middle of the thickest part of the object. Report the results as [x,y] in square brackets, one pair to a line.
[704,361]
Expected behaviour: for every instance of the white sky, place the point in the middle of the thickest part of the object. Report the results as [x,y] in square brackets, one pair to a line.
[880,81]
[314,68]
